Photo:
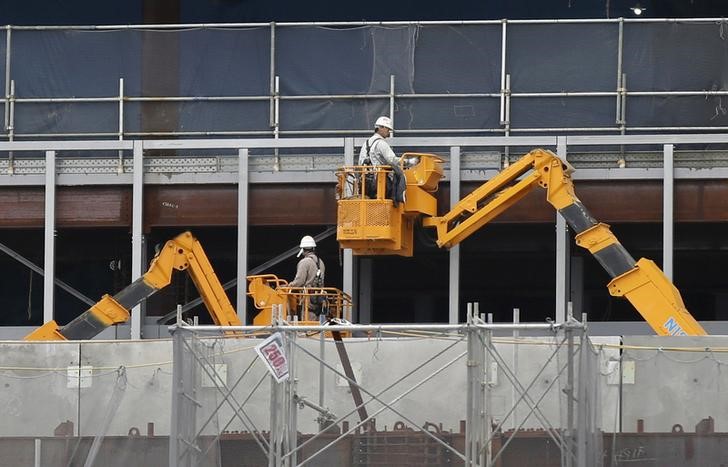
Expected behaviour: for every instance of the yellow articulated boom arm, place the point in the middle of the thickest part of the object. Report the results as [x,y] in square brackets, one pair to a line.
[641,282]
[182,253]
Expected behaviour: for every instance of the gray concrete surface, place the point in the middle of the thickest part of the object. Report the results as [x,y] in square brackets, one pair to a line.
[38,395]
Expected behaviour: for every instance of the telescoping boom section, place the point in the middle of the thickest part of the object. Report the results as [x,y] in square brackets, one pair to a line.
[184,252]
[641,282]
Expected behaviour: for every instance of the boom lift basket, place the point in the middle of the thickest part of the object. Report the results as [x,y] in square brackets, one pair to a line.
[368,221]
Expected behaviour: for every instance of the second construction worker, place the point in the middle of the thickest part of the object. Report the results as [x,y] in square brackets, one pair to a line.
[310,267]
[310,273]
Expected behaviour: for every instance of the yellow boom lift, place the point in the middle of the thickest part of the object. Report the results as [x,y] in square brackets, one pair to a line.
[370,224]
[185,253]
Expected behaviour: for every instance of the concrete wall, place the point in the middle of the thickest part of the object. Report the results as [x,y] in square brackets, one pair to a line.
[672,387]
[38,394]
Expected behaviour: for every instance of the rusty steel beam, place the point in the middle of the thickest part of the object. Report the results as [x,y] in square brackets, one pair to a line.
[315,204]
[24,207]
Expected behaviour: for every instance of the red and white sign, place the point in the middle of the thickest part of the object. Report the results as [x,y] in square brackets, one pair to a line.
[272,353]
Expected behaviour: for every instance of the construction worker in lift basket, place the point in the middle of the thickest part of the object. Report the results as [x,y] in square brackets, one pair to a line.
[376,151]
[310,273]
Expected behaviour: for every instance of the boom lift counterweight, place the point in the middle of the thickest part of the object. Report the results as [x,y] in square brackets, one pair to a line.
[641,282]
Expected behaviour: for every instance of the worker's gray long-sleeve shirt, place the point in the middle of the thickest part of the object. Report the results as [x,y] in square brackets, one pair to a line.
[306,271]
[380,153]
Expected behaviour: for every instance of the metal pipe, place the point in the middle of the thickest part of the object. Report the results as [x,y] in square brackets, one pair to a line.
[121,124]
[121,109]
[569,392]
[37,460]
[276,109]
[391,99]
[471,374]
[292,407]
[392,327]
[272,72]
[322,352]
[11,121]
[488,386]
[33,267]
[10,128]
[503,71]
[390,96]
[620,48]
[434,95]
[358,23]
[8,41]
[331,142]
[276,120]
[507,121]
[623,116]
[516,336]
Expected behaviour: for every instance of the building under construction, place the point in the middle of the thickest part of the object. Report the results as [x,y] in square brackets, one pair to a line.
[509,346]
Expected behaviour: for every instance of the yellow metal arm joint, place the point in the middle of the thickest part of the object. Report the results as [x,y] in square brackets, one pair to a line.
[108,311]
[596,238]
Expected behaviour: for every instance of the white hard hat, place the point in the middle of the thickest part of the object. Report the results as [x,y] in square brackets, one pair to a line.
[306,242]
[386,122]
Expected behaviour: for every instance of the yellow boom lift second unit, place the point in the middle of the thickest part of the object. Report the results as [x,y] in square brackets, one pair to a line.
[185,253]
[370,224]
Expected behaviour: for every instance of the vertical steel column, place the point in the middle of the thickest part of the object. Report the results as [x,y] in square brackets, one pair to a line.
[576,283]
[364,304]
[138,252]
[49,235]
[562,250]
[243,186]
[454,283]
[668,213]
[349,265]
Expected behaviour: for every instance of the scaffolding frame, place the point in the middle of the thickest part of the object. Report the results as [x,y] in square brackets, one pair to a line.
[505,95]
[576,436]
